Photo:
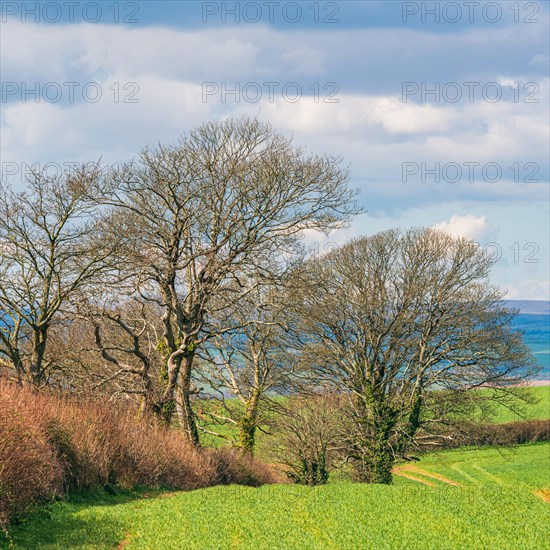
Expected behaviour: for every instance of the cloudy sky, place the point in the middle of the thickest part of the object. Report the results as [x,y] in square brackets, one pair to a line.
[440,108]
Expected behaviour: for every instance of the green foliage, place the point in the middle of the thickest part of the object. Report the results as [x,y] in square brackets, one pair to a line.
[371,451]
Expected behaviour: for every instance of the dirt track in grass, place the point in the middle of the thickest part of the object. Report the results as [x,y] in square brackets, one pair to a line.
[409,470]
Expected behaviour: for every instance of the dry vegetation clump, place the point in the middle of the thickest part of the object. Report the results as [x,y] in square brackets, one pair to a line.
[234,467]
[29,470]
[51,445]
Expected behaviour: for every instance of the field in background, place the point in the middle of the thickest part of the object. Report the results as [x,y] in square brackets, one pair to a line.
[452,499]
[540,410]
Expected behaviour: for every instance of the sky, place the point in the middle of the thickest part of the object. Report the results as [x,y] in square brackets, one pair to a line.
[439,108]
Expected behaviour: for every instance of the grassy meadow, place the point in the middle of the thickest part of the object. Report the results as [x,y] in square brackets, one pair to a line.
[462,498]
[540,409]
[472,498]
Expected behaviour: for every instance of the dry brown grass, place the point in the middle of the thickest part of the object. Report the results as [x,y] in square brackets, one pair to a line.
[544,494]
[50,445]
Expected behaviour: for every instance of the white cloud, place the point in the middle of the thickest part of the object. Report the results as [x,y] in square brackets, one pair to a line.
[48,132]
[318,243]
[363,116]
[59,52]
[369,125]
[531,289]
[540,59]
[476,228]
[304,61]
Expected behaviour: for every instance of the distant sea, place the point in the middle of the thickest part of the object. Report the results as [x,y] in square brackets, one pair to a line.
[533,321]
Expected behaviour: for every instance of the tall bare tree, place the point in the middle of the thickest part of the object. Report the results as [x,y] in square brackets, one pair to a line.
[49,249]
[109,347]
[391,318]
[200,215]
[246,368]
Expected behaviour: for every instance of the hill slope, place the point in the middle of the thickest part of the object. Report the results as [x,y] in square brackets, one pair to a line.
[492,502]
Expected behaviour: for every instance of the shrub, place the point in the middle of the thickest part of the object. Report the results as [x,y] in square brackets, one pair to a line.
[511,433]
[480,434]
[61,443]
[50,445]
[234,467]
[308,430]
[29,469]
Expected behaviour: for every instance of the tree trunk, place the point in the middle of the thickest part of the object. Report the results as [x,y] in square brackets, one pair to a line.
[379,462]
[167,407]
[18,366]
[147,406]
[374,458]
[412,425]
[248,424]
[39,349]
[247,432]
[185,411]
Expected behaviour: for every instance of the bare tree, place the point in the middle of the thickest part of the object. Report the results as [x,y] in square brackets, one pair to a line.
[49,248]
[109,347]
[309,437]
[391,318]
[199,216]
[246,368]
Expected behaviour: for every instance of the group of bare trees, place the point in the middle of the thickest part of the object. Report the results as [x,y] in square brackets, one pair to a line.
[396,316]
[180,280]
[52,247]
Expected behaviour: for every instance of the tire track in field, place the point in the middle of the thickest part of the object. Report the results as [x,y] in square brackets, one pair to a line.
[125,542]
[401,473]
[433,475]
[487,474]
[412,472]
[464,474]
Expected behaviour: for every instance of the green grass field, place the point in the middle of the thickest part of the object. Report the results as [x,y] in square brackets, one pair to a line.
[539,410]
[501,414]
[517,409]
[492,504]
